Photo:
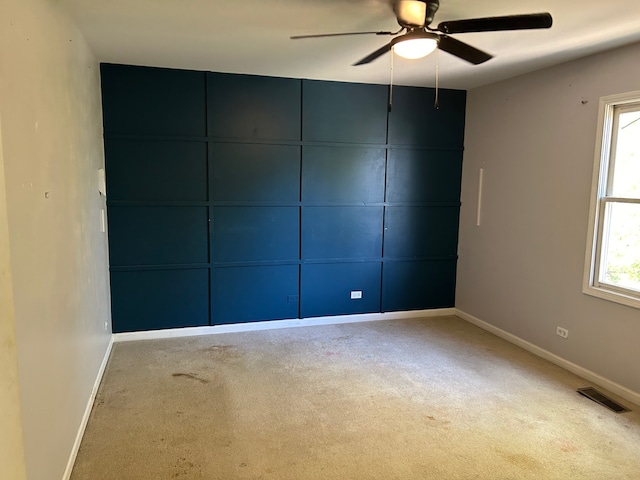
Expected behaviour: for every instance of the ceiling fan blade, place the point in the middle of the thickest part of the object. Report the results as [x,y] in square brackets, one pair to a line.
[378,53]
[463,50]
[321,35]
[493,24]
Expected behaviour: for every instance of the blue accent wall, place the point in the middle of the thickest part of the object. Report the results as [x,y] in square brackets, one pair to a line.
[239,198]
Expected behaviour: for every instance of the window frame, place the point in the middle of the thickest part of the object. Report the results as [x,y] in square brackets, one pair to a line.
[601,183]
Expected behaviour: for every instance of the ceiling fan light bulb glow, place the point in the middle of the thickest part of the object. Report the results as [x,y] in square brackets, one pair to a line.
[415,48]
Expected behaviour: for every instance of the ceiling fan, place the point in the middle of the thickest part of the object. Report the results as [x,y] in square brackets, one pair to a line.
[418,39]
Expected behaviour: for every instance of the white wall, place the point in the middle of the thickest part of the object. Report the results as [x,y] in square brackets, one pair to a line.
[52,145]
[522,269]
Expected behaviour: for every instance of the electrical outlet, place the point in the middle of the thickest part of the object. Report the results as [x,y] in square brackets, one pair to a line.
[106,325]
[562,332]
[356,294]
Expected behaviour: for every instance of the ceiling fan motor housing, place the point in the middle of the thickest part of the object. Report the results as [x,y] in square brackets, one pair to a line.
[415,13]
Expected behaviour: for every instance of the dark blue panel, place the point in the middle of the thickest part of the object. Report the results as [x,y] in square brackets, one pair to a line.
[155,299]
[344,112]
[336,183]
[246,106]
[341,232]
[256,173]
[158,235]
[424,176]
[156,171]
[256,234]
[248,294]
[414,120]
[342,174]
[420,232]
[325,289]
[418,285]
[158,101]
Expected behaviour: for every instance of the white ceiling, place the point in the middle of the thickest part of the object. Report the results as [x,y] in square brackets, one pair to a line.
[252,36]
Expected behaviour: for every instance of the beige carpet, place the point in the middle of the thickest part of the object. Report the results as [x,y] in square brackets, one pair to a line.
[430,398]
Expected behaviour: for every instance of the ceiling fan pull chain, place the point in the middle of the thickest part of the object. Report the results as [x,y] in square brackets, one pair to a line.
[436,105]
[391,81]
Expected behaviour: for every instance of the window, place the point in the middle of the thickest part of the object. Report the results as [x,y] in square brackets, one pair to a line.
[613,251]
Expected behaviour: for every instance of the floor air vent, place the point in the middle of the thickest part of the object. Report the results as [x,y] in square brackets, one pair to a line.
[598,397]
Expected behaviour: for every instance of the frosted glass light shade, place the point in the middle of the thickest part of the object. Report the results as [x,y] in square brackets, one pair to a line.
[415,48]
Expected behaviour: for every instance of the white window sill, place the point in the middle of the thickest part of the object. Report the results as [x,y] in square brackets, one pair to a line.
[612,296]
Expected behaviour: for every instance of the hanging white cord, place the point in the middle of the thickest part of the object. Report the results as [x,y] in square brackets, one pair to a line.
[391,79]
[436,105]
[480,185]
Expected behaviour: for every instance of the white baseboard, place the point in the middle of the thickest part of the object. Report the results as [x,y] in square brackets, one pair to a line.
[87,412]
[274,324]
[599,380]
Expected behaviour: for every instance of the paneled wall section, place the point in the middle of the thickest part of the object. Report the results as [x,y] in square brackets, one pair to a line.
[238,198]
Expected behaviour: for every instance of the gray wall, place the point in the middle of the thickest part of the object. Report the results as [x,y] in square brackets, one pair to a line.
[51,151]
[522,269]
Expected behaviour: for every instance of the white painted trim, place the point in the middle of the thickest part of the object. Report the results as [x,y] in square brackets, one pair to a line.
[613,387]
[87,412]
[599,181]
[274,324]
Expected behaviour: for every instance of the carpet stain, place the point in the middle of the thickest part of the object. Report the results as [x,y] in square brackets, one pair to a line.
[567,446]
[192,376]
[444,424]
[183,468]
[222,352]
[344,337]
[522,460]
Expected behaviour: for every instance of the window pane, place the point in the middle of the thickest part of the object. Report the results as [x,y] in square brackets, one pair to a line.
[621,249]
[626,172]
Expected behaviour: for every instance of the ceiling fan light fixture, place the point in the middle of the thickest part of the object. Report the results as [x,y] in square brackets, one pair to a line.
[414,48]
